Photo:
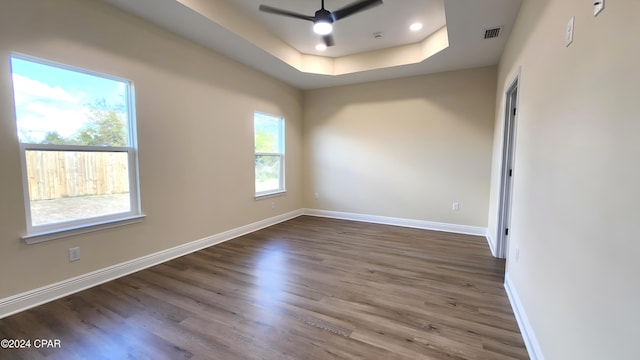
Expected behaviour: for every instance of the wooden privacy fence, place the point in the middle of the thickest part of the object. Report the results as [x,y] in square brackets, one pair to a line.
[57,174]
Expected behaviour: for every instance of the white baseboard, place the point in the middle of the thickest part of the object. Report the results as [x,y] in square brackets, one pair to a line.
[491,245]
[418,224]
[529,337]
[29,299]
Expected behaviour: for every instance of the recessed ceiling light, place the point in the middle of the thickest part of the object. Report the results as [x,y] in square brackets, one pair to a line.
[415,26]
[321,47]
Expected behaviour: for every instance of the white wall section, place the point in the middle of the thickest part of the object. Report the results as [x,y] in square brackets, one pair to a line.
[406,148]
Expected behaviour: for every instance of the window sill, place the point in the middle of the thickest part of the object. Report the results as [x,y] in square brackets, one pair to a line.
[270,194]
[38,237]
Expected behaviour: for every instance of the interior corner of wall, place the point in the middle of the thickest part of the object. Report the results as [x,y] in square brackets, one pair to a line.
[492,245]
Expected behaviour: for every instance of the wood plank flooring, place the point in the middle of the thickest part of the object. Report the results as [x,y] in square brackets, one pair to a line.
[309,288]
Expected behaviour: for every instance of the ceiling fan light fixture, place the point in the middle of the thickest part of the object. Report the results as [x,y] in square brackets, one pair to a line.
[323,18]
[322,27]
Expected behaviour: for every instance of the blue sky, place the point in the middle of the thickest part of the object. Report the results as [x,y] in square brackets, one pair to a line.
[50,98]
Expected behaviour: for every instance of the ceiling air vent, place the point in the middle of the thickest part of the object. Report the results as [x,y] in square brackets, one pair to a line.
[492,33]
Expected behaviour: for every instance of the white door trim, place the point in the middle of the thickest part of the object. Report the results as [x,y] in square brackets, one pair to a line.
[507,167]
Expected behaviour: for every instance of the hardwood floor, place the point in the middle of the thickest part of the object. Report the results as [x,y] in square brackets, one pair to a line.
[309,288]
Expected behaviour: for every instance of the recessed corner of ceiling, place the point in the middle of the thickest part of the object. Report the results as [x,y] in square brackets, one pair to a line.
[232,30]
[254,33]
[374,60]
[241,25]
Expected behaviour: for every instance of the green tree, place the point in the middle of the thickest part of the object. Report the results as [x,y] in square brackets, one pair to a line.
[104,127]
[53,137]
[265,141]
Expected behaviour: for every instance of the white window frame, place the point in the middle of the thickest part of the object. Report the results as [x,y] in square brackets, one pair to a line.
[282,183]
[40,233]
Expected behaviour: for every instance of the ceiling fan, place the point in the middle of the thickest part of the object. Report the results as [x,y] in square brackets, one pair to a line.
[323,19]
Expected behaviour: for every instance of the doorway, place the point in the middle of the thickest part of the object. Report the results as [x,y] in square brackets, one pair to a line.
[507,174]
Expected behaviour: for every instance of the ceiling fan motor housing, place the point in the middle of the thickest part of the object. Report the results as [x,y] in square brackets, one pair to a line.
[322,23]
[324,15]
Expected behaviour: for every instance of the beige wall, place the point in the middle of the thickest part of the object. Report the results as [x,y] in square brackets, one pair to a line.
[576,200]
[404,148]
[195,133]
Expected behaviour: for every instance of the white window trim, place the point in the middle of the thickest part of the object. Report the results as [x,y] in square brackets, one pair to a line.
[40,233]
[63,227]
[269,194]
[282,186]
[62,232]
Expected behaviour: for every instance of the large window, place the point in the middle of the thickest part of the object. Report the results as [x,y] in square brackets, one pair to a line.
[77,140]
[269,154]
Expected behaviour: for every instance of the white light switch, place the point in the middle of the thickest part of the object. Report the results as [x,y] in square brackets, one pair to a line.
[569,35]
[598,6]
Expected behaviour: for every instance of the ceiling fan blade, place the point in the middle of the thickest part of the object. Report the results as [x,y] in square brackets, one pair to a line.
[328,40]
[354,8]
[272,10]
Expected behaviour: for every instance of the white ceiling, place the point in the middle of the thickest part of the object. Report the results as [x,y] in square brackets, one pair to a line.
[465,20]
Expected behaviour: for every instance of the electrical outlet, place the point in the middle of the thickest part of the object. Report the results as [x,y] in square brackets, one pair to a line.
[316,195]
[517,254]
[456,206]
[569,35]
[598,6]
[273,205]
[74,254]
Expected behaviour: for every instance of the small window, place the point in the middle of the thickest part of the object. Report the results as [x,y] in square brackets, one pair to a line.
[76,131]
[269,154]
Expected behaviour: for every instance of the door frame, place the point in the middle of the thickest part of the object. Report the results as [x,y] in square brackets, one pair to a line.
[507,167]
